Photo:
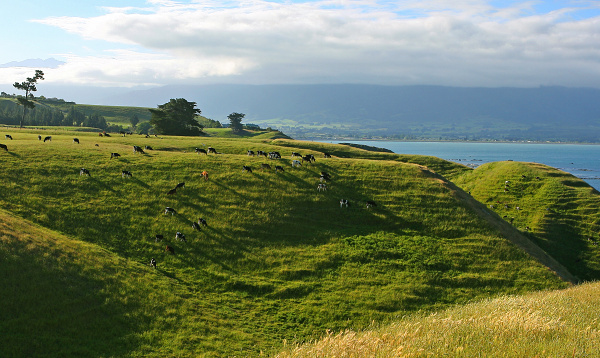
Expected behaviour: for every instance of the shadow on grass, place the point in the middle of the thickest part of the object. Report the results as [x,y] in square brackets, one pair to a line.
[53,308]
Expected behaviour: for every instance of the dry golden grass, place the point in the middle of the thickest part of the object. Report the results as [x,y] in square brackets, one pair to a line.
[561,323]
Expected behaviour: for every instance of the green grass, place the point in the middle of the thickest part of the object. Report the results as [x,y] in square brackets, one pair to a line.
[557,211]
[279,260]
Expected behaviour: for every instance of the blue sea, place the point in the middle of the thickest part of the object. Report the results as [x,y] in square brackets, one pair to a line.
[581,160]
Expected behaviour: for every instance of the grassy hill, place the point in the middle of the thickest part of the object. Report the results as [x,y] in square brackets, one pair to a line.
[279,261]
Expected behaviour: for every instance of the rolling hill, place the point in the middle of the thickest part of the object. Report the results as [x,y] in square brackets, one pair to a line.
[279,260]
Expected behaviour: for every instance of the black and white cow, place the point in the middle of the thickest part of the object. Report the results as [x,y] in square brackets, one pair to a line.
[170,210]
[137,149]
[114,155]
[212,150]
[200,150]
[158,238]
[48,138]
[371,204]
[8,136]
[126,173]
[344,202]
[202,222]
[3,146]
[246,168]
[180,236]
[76,140]
[180,185]
[278,168]
[84,171]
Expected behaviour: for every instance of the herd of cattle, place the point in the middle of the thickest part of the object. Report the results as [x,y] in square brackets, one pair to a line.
[273,155]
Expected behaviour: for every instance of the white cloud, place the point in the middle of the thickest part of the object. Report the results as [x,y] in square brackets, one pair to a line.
[397,42]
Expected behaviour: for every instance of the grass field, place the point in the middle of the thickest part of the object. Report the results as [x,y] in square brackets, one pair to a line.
[279,261]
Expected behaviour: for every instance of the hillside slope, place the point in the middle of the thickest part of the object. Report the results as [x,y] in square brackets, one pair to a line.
[279,260]
[555,210]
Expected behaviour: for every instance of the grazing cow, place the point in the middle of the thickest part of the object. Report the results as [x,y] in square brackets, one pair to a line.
[325,174]
[312,158]
[153,262]
[84,171]
[39,137]
[246,168]
[200,150]
[322,187]
[296,163]
[344,202]
[306,158]
[324,178]
[8,136]
[202,222]
[3,146]
[114,155]
[76,140]
[170,249]
[158,238]
[180,185]
[205,175]
[296,154]
[172,192]
[265,166]
[137,149]
[180,236]
[122,133]
[371,204]
[196,226]
[278,168]
[250,153]
[148,147]
[126,173]
[260,152]
[170,210]
[48,138]
[274,155]
[212,150]
[326,155]
[106,134]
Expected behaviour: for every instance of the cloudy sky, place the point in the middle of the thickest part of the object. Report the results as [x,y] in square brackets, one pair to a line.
[403,42]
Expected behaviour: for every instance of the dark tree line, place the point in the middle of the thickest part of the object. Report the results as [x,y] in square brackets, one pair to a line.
[11,113]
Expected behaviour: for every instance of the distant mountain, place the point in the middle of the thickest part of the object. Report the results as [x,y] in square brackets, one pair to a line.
[403,112]
[544,113]
[34,62]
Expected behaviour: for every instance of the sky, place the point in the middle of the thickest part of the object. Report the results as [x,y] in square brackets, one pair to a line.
[132,43]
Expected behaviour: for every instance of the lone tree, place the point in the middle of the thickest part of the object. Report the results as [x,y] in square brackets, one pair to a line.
[176,117]
[235,120]
[28,86]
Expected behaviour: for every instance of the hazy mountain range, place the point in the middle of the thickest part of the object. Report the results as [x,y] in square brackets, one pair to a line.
[543,113]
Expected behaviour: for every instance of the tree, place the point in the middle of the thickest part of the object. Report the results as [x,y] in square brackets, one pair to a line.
[176,117]
[134,120]
[235,120]
[28,86]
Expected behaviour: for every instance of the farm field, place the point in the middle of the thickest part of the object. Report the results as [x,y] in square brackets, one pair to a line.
[279,261]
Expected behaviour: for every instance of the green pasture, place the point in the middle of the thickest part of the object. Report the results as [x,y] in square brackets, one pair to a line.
[279,261]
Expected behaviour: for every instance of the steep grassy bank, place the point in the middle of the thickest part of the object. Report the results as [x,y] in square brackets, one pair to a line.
[279,259]
[554,209]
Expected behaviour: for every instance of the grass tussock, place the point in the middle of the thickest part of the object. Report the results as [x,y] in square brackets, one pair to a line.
[562,323]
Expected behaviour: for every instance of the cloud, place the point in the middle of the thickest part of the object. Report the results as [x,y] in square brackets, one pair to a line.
[469,42]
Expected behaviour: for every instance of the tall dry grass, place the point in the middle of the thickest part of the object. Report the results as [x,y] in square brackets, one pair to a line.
[561,323]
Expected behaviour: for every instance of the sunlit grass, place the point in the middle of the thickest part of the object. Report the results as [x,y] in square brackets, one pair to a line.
[279,260]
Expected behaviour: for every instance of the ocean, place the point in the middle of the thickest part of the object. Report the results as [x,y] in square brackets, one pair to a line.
[581,160]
